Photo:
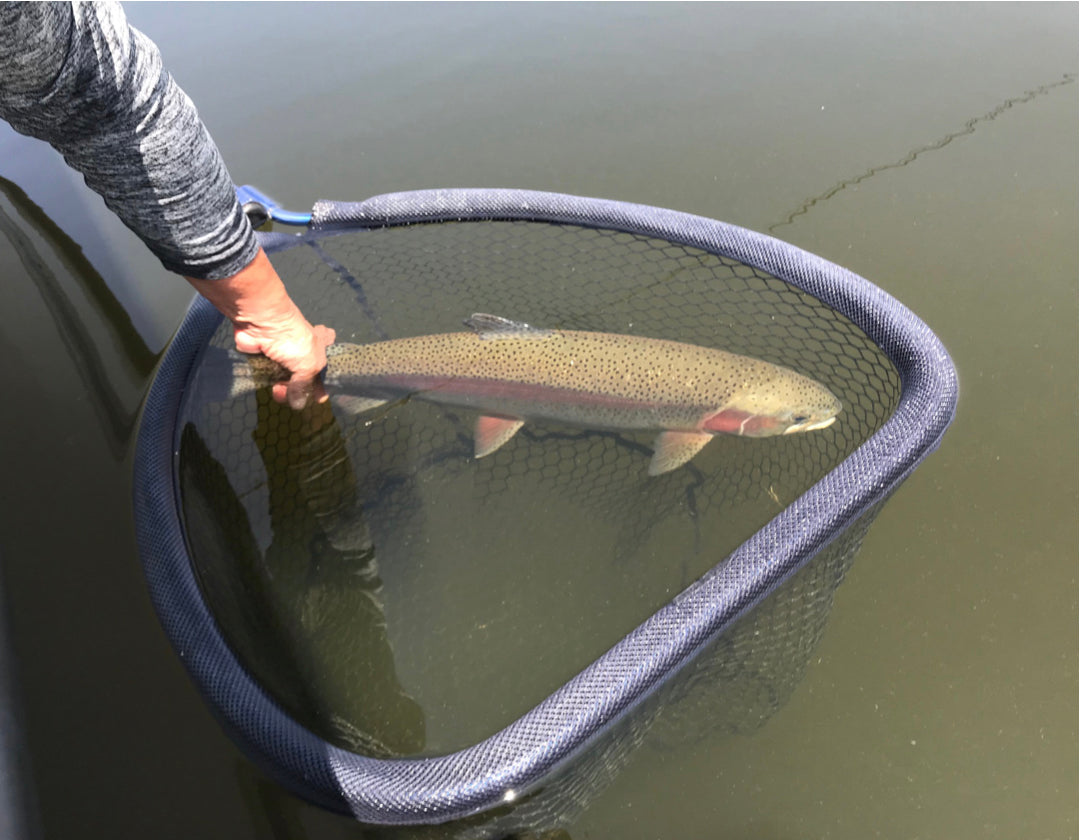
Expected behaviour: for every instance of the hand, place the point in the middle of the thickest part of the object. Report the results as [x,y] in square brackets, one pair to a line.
[296,345]
[265,320]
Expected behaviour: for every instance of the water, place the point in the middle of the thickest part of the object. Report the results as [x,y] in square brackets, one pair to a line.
[942,699]
[485,586]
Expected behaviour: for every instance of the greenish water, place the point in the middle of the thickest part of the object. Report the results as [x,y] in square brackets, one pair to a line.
[932,149]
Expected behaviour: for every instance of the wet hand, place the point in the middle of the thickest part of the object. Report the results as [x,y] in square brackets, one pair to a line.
[266,320]
[296,345]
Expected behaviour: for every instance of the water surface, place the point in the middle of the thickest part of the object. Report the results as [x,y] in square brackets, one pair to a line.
[932,149]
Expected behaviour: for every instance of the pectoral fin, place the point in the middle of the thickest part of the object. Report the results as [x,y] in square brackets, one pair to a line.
[356,405]
[492,432]
[674,449]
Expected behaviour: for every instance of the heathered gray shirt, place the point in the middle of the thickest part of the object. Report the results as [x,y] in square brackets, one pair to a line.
[77,76]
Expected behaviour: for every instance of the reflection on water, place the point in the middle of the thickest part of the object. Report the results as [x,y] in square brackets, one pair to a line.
[81,329]
[305,615]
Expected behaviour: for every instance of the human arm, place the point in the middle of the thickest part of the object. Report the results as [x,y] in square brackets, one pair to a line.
[77,76]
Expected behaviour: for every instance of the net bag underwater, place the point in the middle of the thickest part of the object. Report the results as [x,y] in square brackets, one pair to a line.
[398,631]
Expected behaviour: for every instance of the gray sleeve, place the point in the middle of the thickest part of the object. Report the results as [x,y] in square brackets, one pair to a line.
[77,76]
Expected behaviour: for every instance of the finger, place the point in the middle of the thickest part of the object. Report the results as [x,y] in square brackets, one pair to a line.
[299,391]
[246,342]
[280,392]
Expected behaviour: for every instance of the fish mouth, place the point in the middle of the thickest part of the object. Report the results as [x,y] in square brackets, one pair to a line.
[810,427]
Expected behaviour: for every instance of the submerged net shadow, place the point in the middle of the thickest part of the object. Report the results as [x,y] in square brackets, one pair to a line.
[397,598]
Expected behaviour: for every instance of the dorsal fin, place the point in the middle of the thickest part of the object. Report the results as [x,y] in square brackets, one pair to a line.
[492,326]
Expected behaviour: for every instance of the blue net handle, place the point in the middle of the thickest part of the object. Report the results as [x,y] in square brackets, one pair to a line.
[248,194]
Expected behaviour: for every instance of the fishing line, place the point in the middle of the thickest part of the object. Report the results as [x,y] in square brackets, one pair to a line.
[969,127]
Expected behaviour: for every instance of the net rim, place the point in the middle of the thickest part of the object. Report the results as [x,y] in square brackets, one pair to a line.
[519,757]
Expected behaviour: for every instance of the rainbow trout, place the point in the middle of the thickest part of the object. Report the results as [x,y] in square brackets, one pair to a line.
[513,373]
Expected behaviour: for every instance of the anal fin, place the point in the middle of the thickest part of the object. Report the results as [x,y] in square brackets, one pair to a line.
[492,432]
[674,449]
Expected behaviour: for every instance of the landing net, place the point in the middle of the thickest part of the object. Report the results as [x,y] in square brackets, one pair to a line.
[398,631]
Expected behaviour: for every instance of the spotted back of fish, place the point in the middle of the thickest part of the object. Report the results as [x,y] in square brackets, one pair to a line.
[595,378]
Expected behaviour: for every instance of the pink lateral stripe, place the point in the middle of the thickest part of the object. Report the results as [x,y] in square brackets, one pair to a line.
[735,422]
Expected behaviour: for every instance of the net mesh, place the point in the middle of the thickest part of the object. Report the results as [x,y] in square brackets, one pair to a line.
[449,632]
[399,597]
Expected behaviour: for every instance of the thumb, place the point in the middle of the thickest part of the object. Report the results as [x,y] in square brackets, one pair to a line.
[246,342]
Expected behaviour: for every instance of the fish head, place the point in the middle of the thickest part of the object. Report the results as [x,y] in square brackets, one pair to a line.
[785,404]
